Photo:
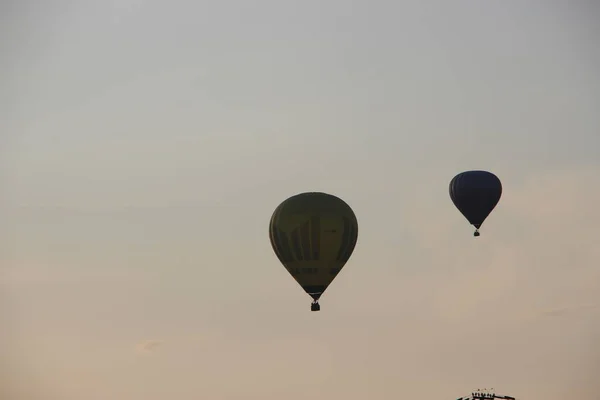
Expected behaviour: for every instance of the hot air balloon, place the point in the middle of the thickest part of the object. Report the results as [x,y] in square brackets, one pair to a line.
[475,194]
[313,235]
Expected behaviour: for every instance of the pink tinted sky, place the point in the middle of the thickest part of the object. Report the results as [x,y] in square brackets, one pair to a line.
[147,143]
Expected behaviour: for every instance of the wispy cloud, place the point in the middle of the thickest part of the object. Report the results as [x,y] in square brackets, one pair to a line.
[560,311]
[148,346]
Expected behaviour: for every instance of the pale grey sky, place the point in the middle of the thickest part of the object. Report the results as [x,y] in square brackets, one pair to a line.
[145,145]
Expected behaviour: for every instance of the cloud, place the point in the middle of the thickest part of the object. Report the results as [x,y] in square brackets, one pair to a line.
[560,311]
[148,346]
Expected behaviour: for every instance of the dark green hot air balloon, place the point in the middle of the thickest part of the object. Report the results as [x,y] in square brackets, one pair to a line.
[313,235]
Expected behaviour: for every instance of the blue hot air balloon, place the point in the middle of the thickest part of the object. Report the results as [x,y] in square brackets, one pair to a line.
[475,194]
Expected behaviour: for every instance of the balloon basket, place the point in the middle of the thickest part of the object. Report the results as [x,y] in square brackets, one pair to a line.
[315,307]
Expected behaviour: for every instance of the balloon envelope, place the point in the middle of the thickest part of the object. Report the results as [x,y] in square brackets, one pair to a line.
[475,194]
[313,235]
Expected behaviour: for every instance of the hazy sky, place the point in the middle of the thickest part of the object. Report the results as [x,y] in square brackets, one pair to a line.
[145,144]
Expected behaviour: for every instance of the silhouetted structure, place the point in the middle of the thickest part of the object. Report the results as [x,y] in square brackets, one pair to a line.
[486,394]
